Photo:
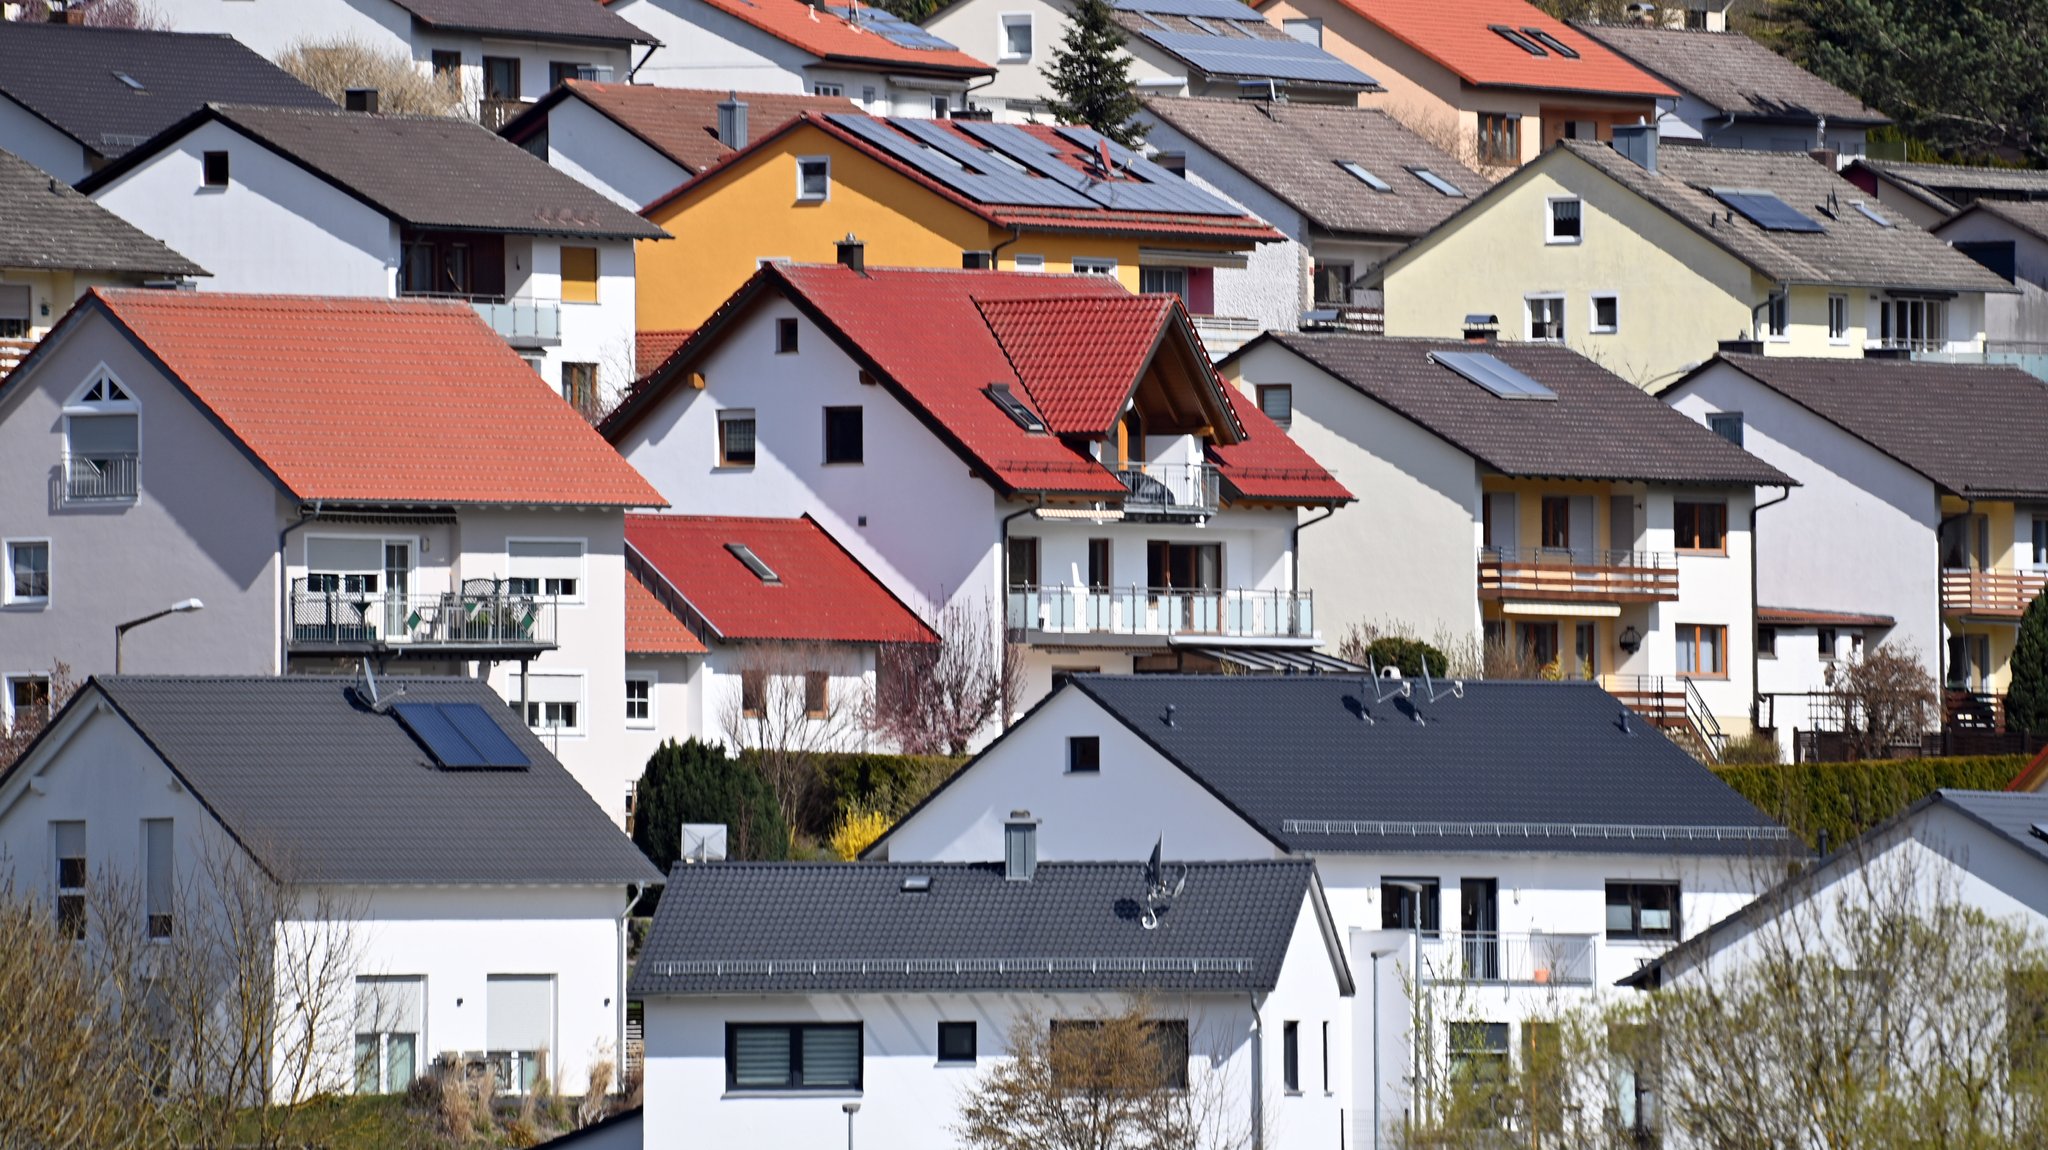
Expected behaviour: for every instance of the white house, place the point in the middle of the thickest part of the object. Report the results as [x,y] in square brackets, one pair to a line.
[1522,493]
[1800,651]
[1064,459]
[2011,238]
[334,479]
[791,1003]
[447,935]
[348,203]
[887,65]
[1519,844]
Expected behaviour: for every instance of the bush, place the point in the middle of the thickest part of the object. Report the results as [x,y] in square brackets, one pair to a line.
[2026,708]
[332,67]
[1843,800]
[1411,655]
[887,784]
[857,832]
[1751,750]
[698,782]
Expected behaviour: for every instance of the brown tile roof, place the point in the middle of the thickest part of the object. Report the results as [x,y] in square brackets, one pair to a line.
[653,629]
[1734,74]
[680,123]
[555,20]
[44,224]
[1293,151]
[1599,427]
[1949,186]
[830,35]
[1802,617]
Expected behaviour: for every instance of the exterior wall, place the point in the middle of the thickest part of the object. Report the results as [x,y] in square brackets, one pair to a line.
[2011,322]
[33,139]
[1905,203]
[1020,90]
[850,685]
[590,146]
[535,59]
[602,333]
[52,292]
[269,27]
[678,693]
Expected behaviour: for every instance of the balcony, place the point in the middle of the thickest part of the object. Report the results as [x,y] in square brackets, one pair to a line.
[1554,574]
[482,620]
[1990,594]
[1170,490]
[1223,334]
[12,352]
[100,478]
[495,114]
[522,322]
[1507,959]
[1053,613]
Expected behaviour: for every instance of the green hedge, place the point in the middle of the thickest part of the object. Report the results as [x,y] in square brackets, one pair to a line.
[1846,799]
[891,784]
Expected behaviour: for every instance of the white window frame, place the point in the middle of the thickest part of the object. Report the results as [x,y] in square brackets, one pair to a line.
[1094,266]
[802,196]
[1006,21]
[582,567]
[1550,235]
[7,596]
[828,90]
[78,405]
[7,683]
[1838,305]
[385,1031]
[653,681]
[1529,317]
[1028,263]
[734,415]
[1593,313]
[581,702]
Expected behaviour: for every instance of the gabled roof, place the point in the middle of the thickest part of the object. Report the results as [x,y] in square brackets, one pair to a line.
[1078,356]
[71,77]
[1600,426]
[679,123]
[45,224]
[2029,216]
[1950,186]
[321,788]
[1227,40]
[801,928]
[860,36]
[1459,37]
[559,21]
[422,171]
[1296,150]
[368,401]
[653,629]
[1734,75]
[819,592]
[1975,430]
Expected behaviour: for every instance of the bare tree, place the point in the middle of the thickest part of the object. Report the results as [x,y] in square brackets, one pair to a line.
[1886,698]
[331,67]
[29,721]
[795,703]
[934,698]
[93,13]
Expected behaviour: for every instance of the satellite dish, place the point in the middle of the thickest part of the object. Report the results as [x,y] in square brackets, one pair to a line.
[1160,887]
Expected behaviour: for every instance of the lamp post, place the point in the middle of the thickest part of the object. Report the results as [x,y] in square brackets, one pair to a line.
[851,1108]
[181,607]
[1414,917]
[1376,956]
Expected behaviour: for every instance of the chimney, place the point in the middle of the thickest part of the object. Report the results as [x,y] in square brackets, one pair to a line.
[1020,846]
[361,100]
[853,254]
[1638,142]
[1481,328]
[1826,157]
[68,15]
[732,121]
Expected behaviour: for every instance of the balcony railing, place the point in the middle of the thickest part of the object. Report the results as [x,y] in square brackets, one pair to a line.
[1223,334]
[1556,573]
[1170,489]
[12,352]
[477,619]
[519,320]
[98,478]
[495,114]
[1996,594]
[1162,611]
[1532,959]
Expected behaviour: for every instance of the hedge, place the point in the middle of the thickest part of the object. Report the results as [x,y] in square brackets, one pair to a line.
[1845,799]
[891,784]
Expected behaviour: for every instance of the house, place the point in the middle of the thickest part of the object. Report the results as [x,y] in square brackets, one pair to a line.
[1644,259]
[74,98]
[55,245]
[1800,651]
[927,194]
[1923,499]
[786,1002]
[1930,193]
[1176,48]
[1733,92]
[1347,186]
[1522,494]
[346,203]
[1065,460]
[784,625]
[1494,81]
[434,883]
[335,480]
[1493,897]
[2010,237]
[500,55]
[636,143]
[884,63]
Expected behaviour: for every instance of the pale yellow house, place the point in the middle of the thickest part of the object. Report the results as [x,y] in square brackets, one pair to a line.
[1646,260]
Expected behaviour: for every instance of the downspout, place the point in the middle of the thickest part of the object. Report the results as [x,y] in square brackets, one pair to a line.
[635,69]
[1016,233]
[1258,1073]
[1003,577]
[619,1017]
[1756,697]
[284,578]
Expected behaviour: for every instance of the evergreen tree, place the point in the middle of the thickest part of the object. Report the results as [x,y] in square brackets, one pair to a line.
[2026,707]
[698,782]
[1091,75]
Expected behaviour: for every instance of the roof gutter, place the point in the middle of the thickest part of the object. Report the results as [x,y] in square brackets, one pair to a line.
[1756,697]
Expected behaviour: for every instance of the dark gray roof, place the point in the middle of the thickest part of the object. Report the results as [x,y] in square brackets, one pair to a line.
[1735,75]
[71,77]
[424,171]
[1293,151]
[1511,766]
[1599,427]
[1950,186]
[733,927]
[559,20]
[45,224]
[322,789]
[1234,46]
[1977,430]
[2011,814]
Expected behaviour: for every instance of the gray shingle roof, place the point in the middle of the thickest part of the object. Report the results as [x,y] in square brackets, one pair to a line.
[1293,151]
[71,77]
[559,20]
[2011,814]
[324,790]
[45,224]
[1978,430]
[1734,74]
[1511,766]
[1599,427]
[738,927]
[2030,216]
[1950,186]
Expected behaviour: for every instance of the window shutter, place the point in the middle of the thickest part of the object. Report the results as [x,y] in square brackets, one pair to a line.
[546,559]
[97,435]
[519,1012]
[390,1005]
[345,556]
[14,301]
[761,1056]
[831,1056]
[1506,525]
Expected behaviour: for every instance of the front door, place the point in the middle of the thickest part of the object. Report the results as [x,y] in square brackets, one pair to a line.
[1479,927]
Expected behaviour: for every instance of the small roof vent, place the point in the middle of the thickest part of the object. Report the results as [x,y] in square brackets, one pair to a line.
[917,884]
[745,554]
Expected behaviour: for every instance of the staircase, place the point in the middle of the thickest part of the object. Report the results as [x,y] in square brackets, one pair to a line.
[1674,706]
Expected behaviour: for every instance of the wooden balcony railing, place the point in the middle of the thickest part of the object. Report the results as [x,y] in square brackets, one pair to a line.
[1558,574]
[1993,594]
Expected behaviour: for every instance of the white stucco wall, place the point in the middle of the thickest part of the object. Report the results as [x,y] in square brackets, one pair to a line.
[33,139]
[271,26]
[593,148]
[678,690]
[1274,287]
[2010,319]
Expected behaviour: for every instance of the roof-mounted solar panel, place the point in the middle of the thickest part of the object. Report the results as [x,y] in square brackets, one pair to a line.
[754,563]
[1211,9]
[1438,182]
[1365,177]
[1158,190]
[1490,373]
[1258,59]
[890,27]
[461,736]
[1517,39]
[1766,210]
[1551,42]
[1015,409]
[1873,215]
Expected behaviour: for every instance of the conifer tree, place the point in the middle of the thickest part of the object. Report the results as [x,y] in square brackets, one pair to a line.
[2026,707]
[1091,75]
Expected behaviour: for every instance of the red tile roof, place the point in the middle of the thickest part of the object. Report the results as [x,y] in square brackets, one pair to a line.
[833,37]
[680,123]
[823,594]
[359,400]
[1801,617]
[652,348]
[1078,356]
[1460,37]
[653,629]
[1266,465]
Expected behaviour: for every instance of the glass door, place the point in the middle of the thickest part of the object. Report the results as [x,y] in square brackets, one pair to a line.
[1479,927]
[398,622]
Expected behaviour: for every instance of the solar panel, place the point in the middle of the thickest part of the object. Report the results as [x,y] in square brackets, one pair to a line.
[1872,215]
[483,732]
[1366,177]
[1493,375]
[992,184]
[890,27]
[1551,42]
[1766,210]
[460,735]
[1287,59]
[1438,182]
[1212,9]
[1161,190]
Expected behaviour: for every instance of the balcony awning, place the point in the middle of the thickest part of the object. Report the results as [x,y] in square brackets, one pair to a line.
[1286,659]
[1575,610]
[1084,514]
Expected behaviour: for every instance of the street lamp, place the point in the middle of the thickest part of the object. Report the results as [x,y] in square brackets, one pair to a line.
[851,1108]
[120,629]
[1376,956]
[1414,916]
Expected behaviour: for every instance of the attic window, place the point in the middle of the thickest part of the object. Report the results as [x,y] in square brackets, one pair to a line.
[1438,182]
[1365,177]
[131,81]
[1015,409]
[1517,39]
[745,554]
[1551,42]
[917,884]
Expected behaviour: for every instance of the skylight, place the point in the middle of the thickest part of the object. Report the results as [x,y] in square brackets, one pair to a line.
[1517,39]
[131,81]
[1365,177]
[1438,182]
[1015,409]
[1490,373]
[1872,215]
[1766,210]
[762,571]
[1551,42]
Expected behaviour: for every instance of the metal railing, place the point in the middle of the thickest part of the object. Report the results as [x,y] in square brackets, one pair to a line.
[1223,334]
[1672,702]
[1577,574]
[516,318]
[1532,959]
[88,478]
[1161,611]
[13,351]
[495,619]
[1999,594]
[1703,720]
[1170,488]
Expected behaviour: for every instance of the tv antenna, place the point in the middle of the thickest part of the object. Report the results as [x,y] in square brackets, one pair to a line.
[1160,887]
[1455,690]
[1401,688]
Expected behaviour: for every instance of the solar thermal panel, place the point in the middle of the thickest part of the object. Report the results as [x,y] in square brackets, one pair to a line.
[1766,210]
[460,735]
[1491,373]
[999,186]
[1288,59]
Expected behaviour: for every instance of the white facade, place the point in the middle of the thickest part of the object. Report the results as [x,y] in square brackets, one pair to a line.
[2012,323]
[601,155]
[1692,120]
[33,139]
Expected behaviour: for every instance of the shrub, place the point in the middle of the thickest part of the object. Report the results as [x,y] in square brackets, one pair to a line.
[1843,800]
[888,784]
[332,67]
[857,831]
[2026,708]
[1751,750]
[1410,655]
[698,782]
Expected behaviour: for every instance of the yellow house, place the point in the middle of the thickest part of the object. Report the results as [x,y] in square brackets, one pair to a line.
[1646,260]
[937,194]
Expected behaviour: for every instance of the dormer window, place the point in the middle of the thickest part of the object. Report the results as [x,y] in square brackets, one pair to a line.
[102,441]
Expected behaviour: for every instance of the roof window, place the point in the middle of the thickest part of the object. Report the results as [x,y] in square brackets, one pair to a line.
[1517,39]
[1365,177]
[1015,409]
[1873,215]
[1551,42]
[762,571]
[131,81]
[1438,182]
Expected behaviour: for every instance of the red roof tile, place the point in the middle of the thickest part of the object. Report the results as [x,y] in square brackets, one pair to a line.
[822,593]
[359,400]
[653,629]
[832,37]
[1267,465]
[1079,356]
[1460,37]
[651,349]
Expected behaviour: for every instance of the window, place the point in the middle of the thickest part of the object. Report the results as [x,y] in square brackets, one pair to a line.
[1479,1051]
[1016,36]
[1306,31]
[1333,283]
[519,1015]
[1500,139]
[388,1027]
[1364,175]
[1028,263]
[2040,548]
[1767,642]
[215,168]
[1702,649]
[736,438]
[15,301]
[813,179]
[501,78]
[554,703]
[867,94]
[1084,754]
[817,694]
[1701,526]
[1326,1058]
[795,1056]
[1086,266]
[102,442]
[640,701]
[1276,400]
[560,70]
[1563,221]
[1827,642]
[68,841]
[957,1042]
[1023,561]
[843,435]
[1166,1037]
[579,275]
[1557,522]
[1727,425]
[1919,324]
[1438,182]
[1098,564]
[1516,38]
[1163,281]
[753,693]
[786,335]
[1546,318]
[1399,905]
[1290,1056]
[940,106]
[1642,910]
[1777,315]
[551,568]
[1606,314]
[159,888]
[828,89]
[1838,319]
[447,65]
[28,571]
[1553,43]
[579,385]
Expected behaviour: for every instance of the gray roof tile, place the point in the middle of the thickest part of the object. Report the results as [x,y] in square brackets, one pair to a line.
[1950,186]
[45,224]
[573,20]
[2014,815]
[1734,74]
